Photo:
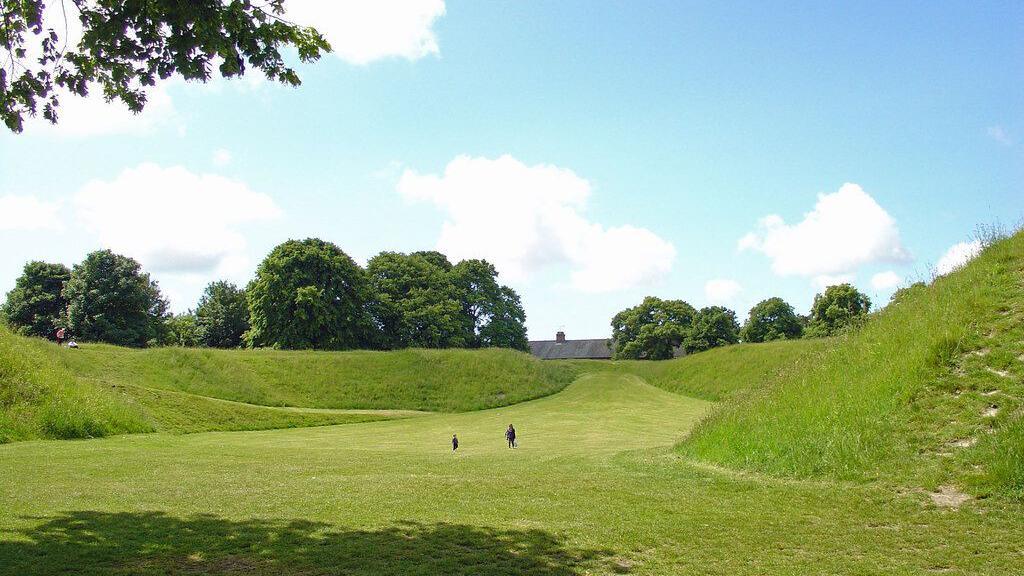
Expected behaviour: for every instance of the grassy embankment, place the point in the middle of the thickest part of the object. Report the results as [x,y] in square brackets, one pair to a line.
[928,392]
[722,373]
[99,390]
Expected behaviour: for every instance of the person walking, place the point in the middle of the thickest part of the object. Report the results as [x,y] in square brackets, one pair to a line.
[455,442]
[510,435]
[60,336]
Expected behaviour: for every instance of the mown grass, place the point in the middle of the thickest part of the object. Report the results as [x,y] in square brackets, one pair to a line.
[891,400]
[594,488]
[436,380]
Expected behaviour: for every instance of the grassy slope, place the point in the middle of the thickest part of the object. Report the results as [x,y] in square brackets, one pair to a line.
[721,373]
[99,390]
[900,398]
[594,488]
[40,399]
[436,380]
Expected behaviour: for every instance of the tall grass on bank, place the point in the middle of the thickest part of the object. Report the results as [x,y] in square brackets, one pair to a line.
[39,399]
[847,415]
[721,373]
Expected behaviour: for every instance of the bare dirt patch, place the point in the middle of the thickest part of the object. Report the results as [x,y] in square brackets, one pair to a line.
[997,372]
[948,497]
[964,443]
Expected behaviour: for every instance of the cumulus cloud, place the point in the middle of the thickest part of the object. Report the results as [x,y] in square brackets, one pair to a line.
[173,220]
[886,280]
[846,230]
[823,281]
[721,291]
[958,254]
[360,32]
[526,218]
[24,213]
[80,117]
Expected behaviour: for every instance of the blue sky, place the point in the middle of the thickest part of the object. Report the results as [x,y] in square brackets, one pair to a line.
[597,152]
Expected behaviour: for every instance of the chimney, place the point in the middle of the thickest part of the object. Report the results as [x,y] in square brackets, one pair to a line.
[560,337]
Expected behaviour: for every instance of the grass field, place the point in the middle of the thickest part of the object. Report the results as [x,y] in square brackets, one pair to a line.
[898,449]
[595,487]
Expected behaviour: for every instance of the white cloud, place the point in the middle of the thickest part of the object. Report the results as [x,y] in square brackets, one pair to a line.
[886,280]
[999,134]
[721,291]
[221,157]
[823,281]
[172,220]
[92,116]
[29,213]
[526,218]
[846,230]
[360,32]
[958,254]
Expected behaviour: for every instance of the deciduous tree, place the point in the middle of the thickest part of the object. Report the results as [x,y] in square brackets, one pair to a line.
[713,326]
[222,316]
[309,294]
[839,307]
[111,300]
[653,329]
[415,301]
[182,330]
[36,304]
[771,319]
[128,45]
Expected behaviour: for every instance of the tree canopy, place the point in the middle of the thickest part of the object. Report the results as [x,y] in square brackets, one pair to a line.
[415,302]
[839,307]
[421,299]
[128,45]
[181,330]
[309,294]
[35,306]
[713,326]
[771,319]
[652,330]
[111,300]
[222,316]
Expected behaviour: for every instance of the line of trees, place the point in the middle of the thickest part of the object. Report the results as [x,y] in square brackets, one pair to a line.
[307,294]
[656,329]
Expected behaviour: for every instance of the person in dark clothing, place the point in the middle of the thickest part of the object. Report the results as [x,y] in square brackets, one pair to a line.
[510,435]
[455,442]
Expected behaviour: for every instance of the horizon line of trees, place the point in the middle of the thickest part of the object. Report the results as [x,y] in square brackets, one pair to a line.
[655,329]
[307,294]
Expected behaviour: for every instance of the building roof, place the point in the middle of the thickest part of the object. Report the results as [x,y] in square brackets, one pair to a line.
[599,349]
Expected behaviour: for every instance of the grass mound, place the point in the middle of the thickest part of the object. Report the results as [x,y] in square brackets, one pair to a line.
[722,373]
[434,380]
[931,383]
[39,399]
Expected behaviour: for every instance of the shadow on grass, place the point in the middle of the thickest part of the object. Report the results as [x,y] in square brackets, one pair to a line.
[156,543]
